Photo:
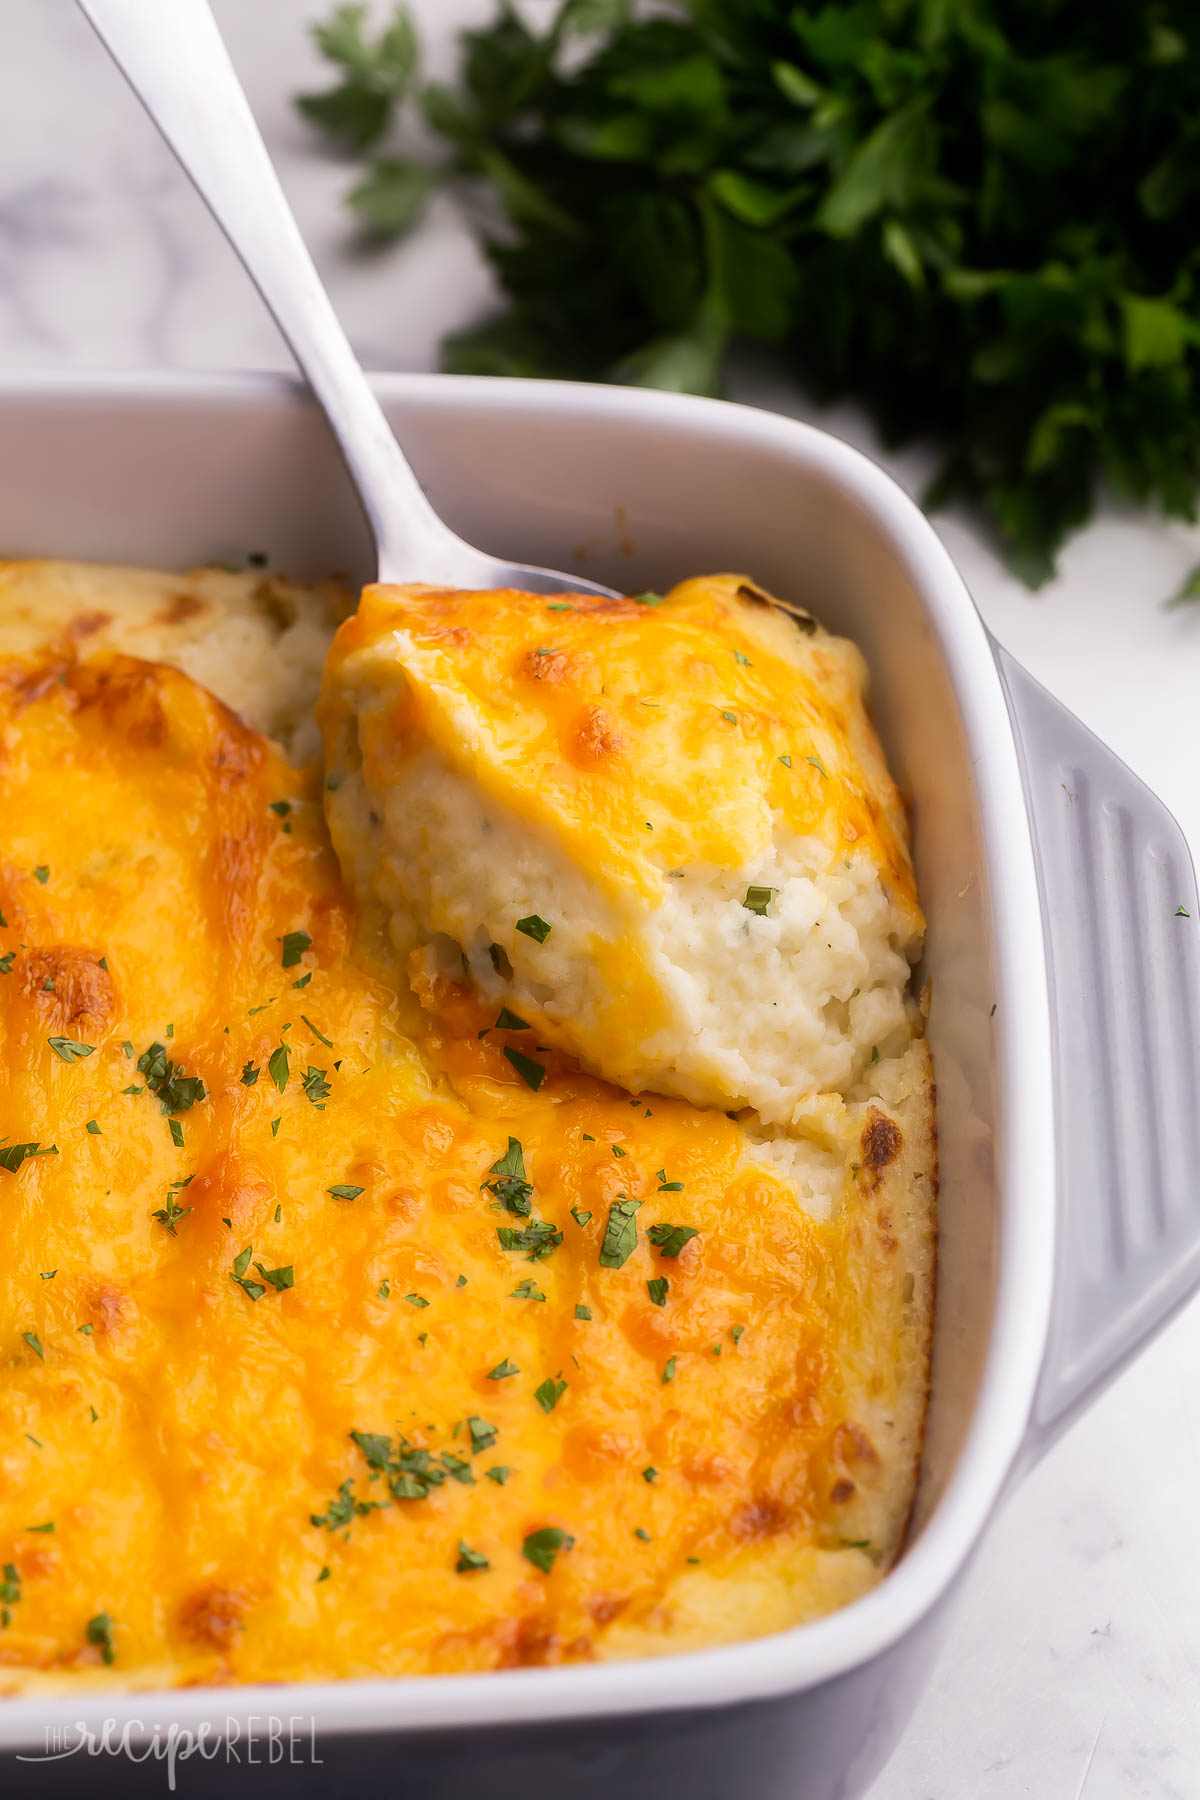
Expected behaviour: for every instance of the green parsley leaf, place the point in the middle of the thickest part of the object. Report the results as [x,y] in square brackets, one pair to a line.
[548,1393]
[735,1332]
[580,1218]
[482,1434]
[100,1632]
[85,1330]
[324,1575]
[531,1073]
[69,1050]
[416,1300]
[507,1020]
[511,1185]
[35,1344]
[250,1075]
[174,1091]
[47,1274]
[620,1236]
[316,1087]
[13,1155]
[295,943]
[277,1067]
[383,1291]
[47,1525]
[499,1473]
[539,1238]
[170,1214]
[670,1239]
[668,1373]
[469,1560]
[542,1547]
[1181,912]
[42,873]
[6,962]
[344,1191]
[650,1474]
[527,1290]
[93,1128]
[657,1289]
[317,1034]
[278,1278]
[758,899]
[582,1312]
[641,1532]
[535,928]
[649,598]
[503,1370]
[176,1130]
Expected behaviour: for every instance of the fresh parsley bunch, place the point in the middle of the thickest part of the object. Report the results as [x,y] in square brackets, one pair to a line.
[979,218]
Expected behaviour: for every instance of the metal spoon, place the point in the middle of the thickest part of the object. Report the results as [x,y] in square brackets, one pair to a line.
[173,57]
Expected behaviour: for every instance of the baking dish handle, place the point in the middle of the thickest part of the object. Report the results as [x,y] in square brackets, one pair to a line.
[1122,928]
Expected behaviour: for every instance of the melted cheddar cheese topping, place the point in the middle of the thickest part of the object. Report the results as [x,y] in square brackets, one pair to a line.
[304,1371]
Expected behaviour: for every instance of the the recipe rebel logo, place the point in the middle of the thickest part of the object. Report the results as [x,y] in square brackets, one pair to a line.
[259,1739]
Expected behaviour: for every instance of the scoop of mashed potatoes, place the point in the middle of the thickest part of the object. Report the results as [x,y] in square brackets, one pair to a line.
[660,831]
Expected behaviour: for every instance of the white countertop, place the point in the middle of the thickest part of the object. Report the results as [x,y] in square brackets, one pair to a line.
[1073,1667]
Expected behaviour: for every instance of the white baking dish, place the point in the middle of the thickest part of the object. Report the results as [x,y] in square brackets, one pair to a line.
[1063,1022]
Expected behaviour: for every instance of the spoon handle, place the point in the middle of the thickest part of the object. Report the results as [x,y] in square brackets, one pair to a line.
[173,57]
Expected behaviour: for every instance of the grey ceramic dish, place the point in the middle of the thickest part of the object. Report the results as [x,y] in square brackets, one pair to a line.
[1063,1027]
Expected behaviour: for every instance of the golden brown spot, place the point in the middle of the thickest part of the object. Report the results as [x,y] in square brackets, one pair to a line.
[528,1643]
[232,1186]
[882,1143]
[596,739]
[70,988]
[107,1308]
[592,1453]
[604,1608]
[855,1446]
[27,684]
[180,608]
[841,1490]
[214,1616]
[86,625]
[762,1517]
[127,694]
[757,596]
[554,666]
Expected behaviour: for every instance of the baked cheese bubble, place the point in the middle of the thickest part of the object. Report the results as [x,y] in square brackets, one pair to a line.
[658,829]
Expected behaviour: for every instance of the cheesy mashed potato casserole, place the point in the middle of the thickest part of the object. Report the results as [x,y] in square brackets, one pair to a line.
[508,1240]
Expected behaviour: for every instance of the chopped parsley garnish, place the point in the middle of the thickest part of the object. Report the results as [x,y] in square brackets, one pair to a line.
[482,1434]
[785,760]
[665,1186]
[507,1020]
[93,1128]
[324,1575]
[670,1239]
[620,1235]
[275,1124]
[731,716]
[341,1509]
[316,1087]
[469,1560]
[668,1373]
[818,764]
[527,1290]
[47,1274]
[1181,912]
[10,1592]
[170,1214]
[42,873]
[499,1473]
[531,1073]
[539,1238]
[277,1067]
[510,1184]
[639,1531]
[13,1155]
[99,1632]
[35,1344]
[758,899]
[317,1034]
[70,1050]
[542,1547]
[503,1370]
[580,1218]
[617,1150]
[457,1468]
[743,660]
[47,1525]
[6,962]
[85,1330]
[281,807]
[650,1474]
[657,1290]
[295,943]
[176,1130]
[416,1300]
[303,981]
[735,1332]
[582,1312]
[649,598]
[345,1191]
[250,1074]
[535,928]
[383,1291]
[241,1263]
[174,1091]
[548,1393]
[278,1278]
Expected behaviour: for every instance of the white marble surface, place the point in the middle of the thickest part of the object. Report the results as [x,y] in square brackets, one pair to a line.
[1072,1669]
